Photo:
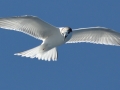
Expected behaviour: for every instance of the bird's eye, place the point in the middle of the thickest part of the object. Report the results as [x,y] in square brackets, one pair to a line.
[70,30]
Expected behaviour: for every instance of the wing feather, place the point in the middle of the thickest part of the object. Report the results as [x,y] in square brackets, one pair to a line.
[98,35]
[30,25]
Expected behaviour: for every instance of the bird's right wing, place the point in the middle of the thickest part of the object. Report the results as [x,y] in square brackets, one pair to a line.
[30,25]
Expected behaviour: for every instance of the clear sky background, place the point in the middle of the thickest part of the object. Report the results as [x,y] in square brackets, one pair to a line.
[80,66]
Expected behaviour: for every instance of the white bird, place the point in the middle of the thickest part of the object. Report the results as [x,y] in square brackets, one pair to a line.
[53,36]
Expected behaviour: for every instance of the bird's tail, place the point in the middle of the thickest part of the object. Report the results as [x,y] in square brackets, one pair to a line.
[36,53]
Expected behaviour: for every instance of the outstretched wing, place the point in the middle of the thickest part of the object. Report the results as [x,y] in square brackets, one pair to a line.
[30,25]
[98,35]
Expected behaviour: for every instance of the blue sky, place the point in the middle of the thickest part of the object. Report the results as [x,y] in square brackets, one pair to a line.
[80,66]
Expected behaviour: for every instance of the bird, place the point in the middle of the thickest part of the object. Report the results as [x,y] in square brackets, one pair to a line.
[52,36]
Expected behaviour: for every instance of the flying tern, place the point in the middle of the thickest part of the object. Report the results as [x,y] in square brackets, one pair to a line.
[54,36]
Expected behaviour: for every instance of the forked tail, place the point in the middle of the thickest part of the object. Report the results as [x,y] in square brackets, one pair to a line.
[36,53]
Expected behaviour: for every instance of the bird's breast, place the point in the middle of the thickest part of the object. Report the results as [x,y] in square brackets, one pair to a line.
[54,41]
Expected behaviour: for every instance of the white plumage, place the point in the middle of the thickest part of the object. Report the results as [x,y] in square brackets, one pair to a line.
[98,35]
[53,36]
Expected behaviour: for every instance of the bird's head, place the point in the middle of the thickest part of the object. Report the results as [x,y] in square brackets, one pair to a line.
[67,33]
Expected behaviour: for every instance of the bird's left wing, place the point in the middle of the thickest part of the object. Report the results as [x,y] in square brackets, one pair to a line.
[30,25]
[98,35]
